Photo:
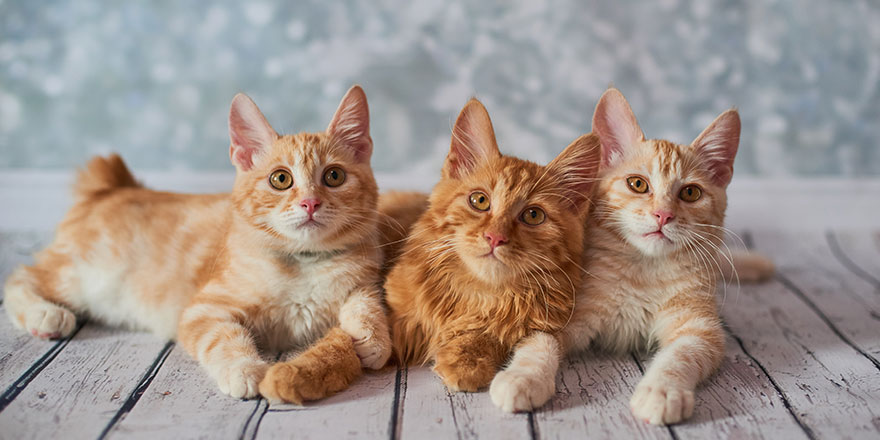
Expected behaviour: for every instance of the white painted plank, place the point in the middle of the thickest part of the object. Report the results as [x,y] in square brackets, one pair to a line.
[81,390]
[860,249]
[18,351]
[739,402]
[430,411]
[183,402]
[849,302]
[834,390]
[364,411]
[592,400]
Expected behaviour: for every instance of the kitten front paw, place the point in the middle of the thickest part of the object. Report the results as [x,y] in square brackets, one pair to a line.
[659,402]
[373,348]
[241,380]
[463,376]
[50,322]
[516,391]
[327,367]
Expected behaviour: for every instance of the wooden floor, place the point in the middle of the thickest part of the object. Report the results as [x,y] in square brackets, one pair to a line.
[802,362]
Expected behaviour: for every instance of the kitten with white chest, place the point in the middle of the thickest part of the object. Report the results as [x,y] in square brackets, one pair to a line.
[276,264]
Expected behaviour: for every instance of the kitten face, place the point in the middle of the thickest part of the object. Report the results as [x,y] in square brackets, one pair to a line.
[661,199]
[660,196]
[508,219]
[504,221]
[311,191]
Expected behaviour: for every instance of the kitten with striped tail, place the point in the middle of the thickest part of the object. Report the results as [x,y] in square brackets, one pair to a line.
[653,253]
[288,257]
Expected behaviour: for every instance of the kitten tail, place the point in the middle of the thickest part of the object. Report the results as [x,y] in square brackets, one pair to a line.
[103,174]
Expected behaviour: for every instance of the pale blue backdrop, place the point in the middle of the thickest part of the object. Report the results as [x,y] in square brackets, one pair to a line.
[153,79]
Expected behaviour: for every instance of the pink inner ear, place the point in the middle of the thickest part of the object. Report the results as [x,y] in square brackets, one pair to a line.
[577,167]
[351,123]
[616,126]
[473,140]
[249,132]
[717,146]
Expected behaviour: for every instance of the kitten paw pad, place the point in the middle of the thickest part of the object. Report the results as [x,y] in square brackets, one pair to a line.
[51,322]
[242,380]
[660,404]
[515,391]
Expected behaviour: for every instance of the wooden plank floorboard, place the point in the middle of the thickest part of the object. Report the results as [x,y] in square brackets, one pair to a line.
[363,411]
[428,410]
[859,252]
[808,266]
[183,402]
[18,351]
[79,392]
[831,387]
[592,401]
[739,402]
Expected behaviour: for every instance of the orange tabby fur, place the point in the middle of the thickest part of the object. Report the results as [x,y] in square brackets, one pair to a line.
[463,310]
[648,289]
[227,275]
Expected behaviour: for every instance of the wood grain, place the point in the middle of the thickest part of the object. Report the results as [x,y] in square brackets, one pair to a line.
[592,400]
[740,401]
[81,390]
[18,351]
[830,386]
[430,411]
[363,411]
[183,402]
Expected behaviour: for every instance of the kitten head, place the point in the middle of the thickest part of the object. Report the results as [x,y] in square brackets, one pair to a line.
[658,195]
[309,191]
[507,219]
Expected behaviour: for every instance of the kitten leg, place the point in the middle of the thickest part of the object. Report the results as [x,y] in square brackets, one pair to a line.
[529,381]
[363,318]
[213,335]
[692,347]
[29,310]
[468,360]
[327,367]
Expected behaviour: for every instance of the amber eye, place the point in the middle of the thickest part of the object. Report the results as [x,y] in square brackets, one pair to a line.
[479,200]
[637,184]
[533,216]
[334,176]
[690,193]
[280,179]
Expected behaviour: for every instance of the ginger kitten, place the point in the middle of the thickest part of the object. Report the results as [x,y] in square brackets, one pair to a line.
[653,239]
[493,262]
[287,255]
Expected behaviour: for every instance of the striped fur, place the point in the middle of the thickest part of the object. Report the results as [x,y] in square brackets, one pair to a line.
[230,276]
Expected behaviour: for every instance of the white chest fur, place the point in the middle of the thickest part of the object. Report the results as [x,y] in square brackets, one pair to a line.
[305,301]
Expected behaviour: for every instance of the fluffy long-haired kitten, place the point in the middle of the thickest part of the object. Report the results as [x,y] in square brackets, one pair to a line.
[654,239]
[494,261]
[289,254]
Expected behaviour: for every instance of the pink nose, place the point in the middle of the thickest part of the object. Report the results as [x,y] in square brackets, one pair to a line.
[663,217]
[495,239]
[310,205]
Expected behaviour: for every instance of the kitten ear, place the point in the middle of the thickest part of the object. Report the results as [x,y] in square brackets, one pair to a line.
[249,132]
[717,146]
[576,168]
[473,141]
[351,123]
[616,126]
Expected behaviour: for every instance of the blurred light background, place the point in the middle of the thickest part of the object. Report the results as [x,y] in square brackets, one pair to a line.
[153,79]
